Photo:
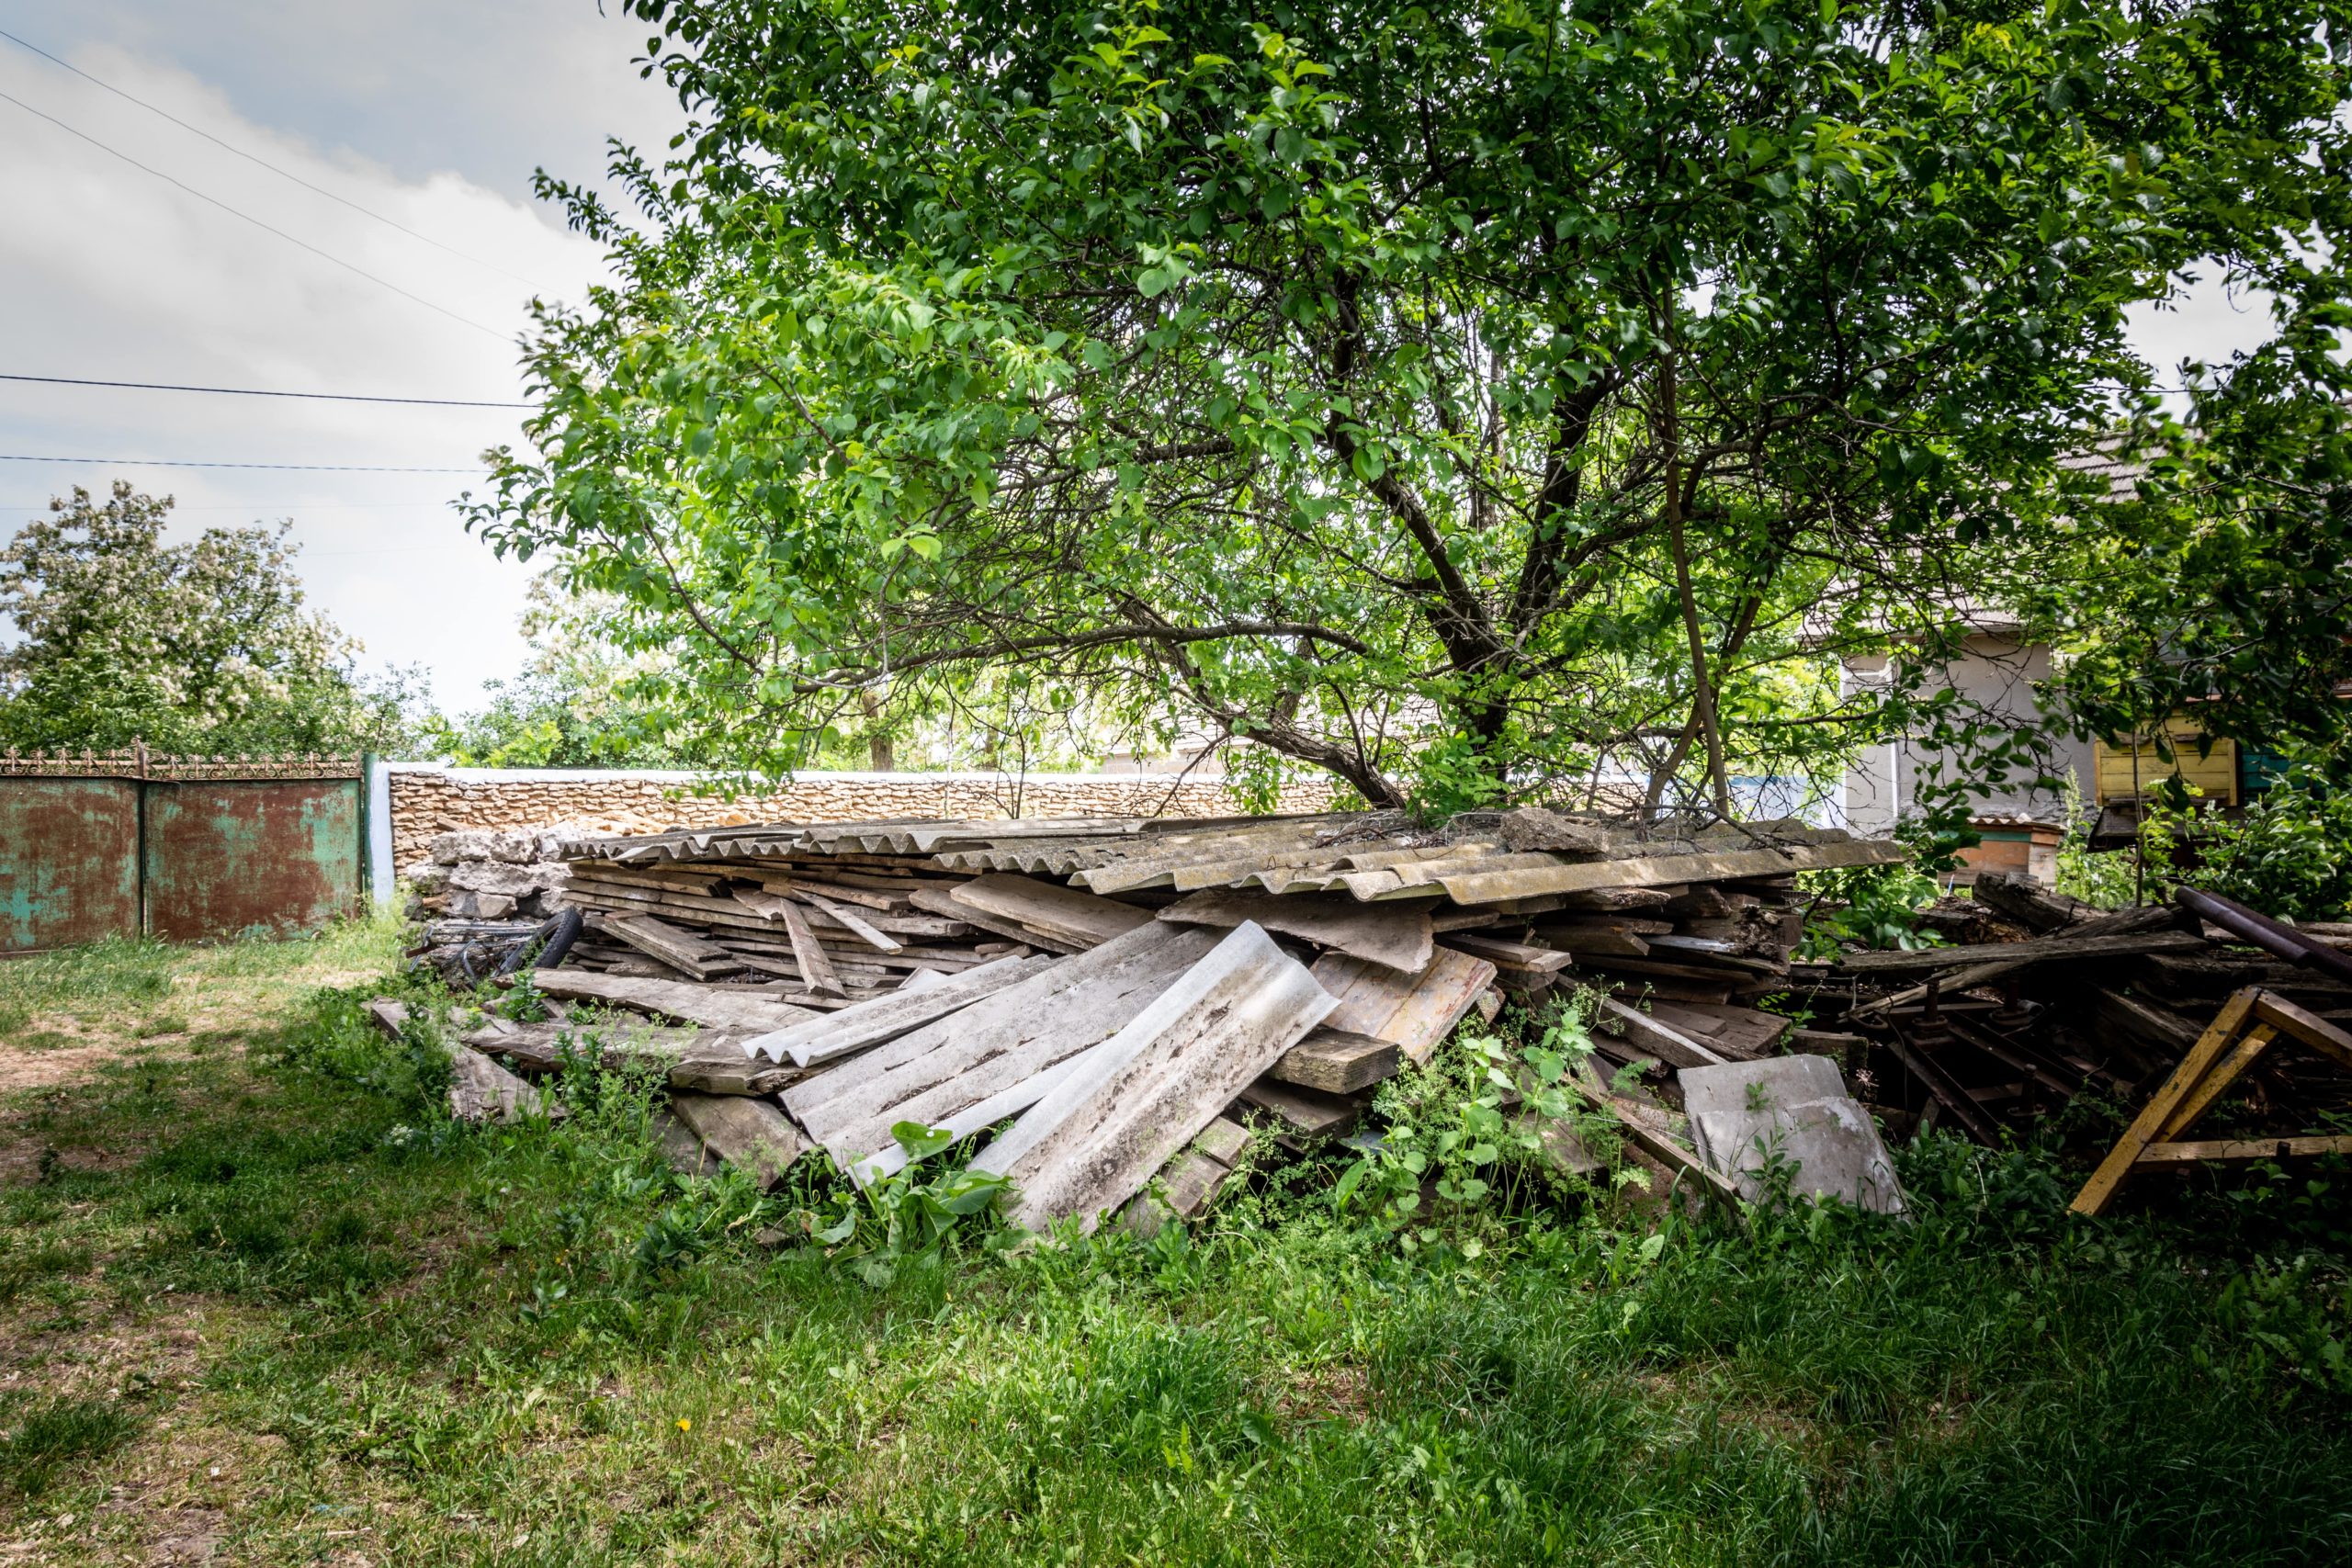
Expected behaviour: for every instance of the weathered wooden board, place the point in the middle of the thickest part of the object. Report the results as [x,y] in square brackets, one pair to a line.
[711,1006]
[1305,1112]
[849,920]
[1067,914]
[1096,1137]
[750,1134]
[994,1046]
[1417,1012]
[817,970]
[938,900]
[680,949]
[1189,1183]
[2036,950]
[1339,1063]
[1511,957]
[2245,1148]
[821,1039]
[2020,898]
[1659,1039]
[1732,1031]
[1581,941]
[712,1061]
[479,1090]
[1393,936]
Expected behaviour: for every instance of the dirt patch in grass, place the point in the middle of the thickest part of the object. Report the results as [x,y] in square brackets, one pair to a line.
[26,1068]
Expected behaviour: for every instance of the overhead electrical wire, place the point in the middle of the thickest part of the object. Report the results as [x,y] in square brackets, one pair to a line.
[254,158]
[182,463]
[233,212]
[258,392]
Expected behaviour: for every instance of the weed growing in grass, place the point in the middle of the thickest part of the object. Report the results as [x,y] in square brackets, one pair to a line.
[80,981]
[45,1438]
[1465,1136]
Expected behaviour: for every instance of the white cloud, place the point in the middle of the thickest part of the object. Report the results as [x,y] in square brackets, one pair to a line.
[110,272]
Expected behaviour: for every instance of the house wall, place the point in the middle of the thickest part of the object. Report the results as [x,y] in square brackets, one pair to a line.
[423,799]
[1996,676]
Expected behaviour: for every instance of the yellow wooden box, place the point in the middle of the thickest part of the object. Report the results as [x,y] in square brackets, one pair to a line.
[2127,772]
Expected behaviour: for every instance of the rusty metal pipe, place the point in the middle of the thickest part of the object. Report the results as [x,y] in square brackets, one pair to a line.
[2280,942]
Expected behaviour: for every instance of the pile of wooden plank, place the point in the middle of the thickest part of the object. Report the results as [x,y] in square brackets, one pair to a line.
[1118,1002]
[1113,1006]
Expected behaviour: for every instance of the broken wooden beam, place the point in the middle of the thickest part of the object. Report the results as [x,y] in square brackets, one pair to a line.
[750,1134]
[2034,949]
[1338,1061]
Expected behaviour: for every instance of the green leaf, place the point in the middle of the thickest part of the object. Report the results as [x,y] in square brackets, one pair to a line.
[919,1141]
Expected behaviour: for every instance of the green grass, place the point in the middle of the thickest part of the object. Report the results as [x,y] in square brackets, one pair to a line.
[432,1344]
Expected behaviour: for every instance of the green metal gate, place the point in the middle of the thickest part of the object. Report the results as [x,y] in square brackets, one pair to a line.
[187,848]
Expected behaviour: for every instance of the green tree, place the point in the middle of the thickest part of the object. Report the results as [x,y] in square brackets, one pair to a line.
[1561,385]
[574,704]
[200,647]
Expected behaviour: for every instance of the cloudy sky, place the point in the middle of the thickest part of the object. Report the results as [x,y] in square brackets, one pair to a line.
[430,113]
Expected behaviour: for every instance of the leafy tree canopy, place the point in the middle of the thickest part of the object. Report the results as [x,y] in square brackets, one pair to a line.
[200,647]
[573,705]
[1460,396]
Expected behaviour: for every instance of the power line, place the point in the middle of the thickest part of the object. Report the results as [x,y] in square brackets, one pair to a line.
[181,463]
[255,393]
[272,168]
[256,222]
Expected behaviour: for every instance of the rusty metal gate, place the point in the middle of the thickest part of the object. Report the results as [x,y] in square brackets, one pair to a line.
[186,849]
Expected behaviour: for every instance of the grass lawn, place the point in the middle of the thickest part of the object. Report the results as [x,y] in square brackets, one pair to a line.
[260,1304]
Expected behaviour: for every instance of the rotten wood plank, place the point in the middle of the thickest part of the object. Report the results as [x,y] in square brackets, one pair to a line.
[1416,1012]
[1338,1061]
[750,1134]
[1395,937]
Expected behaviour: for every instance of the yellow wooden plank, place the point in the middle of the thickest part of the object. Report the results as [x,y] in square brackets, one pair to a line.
[2217,1039]
[2248,1051]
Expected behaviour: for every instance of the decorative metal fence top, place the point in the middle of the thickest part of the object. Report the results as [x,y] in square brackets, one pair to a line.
[142,763]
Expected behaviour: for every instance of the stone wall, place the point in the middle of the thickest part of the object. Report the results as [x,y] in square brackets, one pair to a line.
[426,800]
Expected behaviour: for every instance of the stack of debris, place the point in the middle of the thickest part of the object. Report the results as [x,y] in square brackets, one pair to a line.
[1991,1038]
[1124,999]
[479,892]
